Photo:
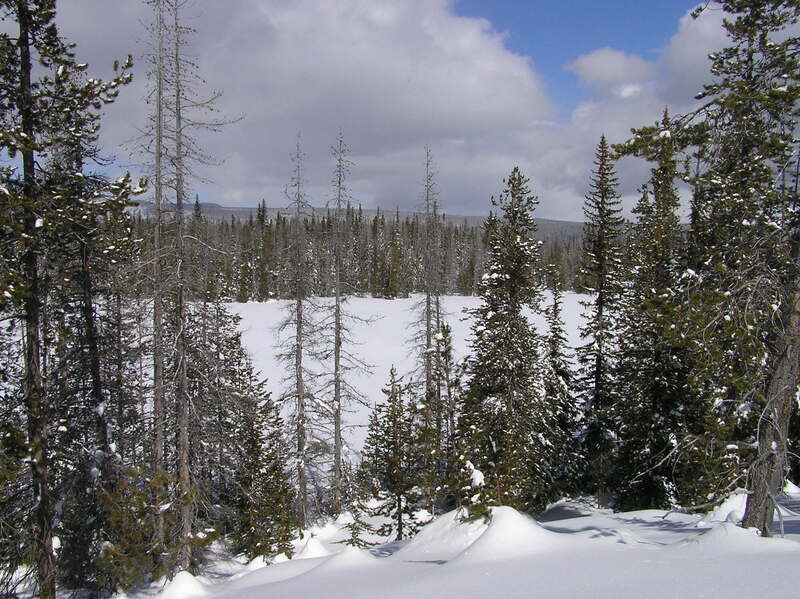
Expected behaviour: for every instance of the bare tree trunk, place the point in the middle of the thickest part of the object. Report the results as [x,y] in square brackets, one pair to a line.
[300,296]
[767,474]
[119,440]
[300,398]
[158,306]
[338,482]
[33,385]
[181,386]
[430,273]
[338,477]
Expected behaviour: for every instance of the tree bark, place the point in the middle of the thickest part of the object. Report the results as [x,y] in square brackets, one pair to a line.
[181,385]
[767,473]
[33,385]
[158,306]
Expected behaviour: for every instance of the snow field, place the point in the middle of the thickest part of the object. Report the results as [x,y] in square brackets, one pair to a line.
[383,342]
[590,553]
[573,550]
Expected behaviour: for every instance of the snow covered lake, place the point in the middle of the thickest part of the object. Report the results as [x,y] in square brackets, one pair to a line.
[382,341]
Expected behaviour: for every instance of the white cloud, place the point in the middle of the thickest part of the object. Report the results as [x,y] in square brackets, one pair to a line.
[607,70]
[395,75]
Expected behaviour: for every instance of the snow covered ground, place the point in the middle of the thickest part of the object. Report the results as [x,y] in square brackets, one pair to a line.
[383,342]
[572,551]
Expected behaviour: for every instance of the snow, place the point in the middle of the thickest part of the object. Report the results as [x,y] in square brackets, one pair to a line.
[730,510]
[313,548]
[791,489]
[382,342]
[511,535]
[443,539]
[573,550]
[183,586]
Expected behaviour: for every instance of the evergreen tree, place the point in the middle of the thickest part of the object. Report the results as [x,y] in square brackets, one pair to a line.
[264,523]
[506,427]
[656,406]
[391,461]
[602,278]
[559,391]
[745,290]
[45,110]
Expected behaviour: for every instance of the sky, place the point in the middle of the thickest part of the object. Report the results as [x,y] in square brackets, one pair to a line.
[486,84]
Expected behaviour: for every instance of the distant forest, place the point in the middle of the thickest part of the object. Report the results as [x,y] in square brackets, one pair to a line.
[384,252]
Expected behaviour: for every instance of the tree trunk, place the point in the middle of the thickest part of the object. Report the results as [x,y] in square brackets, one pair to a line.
[338,477]
[33,385]
[96,380]
[767,473]
[302,480]
[158,306]
[181,385]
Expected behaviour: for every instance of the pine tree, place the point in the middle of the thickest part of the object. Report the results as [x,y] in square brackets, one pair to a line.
[336,325]
[391,461]
[506,427]
[559,391]
[601,277]
[36,117]
[656,406]
[264,524]
[745,291]
[299,323]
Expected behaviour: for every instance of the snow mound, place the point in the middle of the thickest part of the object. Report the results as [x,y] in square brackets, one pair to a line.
[327,531]
[730,510]
[313,548]
[349,557]
[726,537]
[790,488]
[182,586]
[442,539]
[509,535]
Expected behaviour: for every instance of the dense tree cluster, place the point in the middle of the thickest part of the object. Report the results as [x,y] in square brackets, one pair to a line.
[382,255]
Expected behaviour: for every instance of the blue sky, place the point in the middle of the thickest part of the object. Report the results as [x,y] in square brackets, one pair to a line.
[553,33]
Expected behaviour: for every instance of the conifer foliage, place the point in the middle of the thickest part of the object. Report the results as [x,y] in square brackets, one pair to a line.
[601,277]
[506,425]
[391,461]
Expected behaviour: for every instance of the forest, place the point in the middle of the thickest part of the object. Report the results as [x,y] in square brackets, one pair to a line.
[136,433]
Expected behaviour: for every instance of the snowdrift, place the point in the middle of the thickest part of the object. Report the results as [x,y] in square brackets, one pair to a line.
[443,539]
[183,586]
[509,535]
[347,558]
[727,537]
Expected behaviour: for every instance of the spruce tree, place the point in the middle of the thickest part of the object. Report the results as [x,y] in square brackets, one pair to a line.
[264,523]
[391,461]
[38,105]
[506,427]
[656,406]
[601,277]
[744,291]
[559,391]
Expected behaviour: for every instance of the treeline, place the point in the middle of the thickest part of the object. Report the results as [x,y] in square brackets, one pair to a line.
[383,255]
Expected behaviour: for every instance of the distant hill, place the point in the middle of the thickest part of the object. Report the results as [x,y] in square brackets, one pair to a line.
[548,228]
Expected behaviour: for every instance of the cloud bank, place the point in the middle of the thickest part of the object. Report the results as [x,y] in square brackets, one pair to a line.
[394,75]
